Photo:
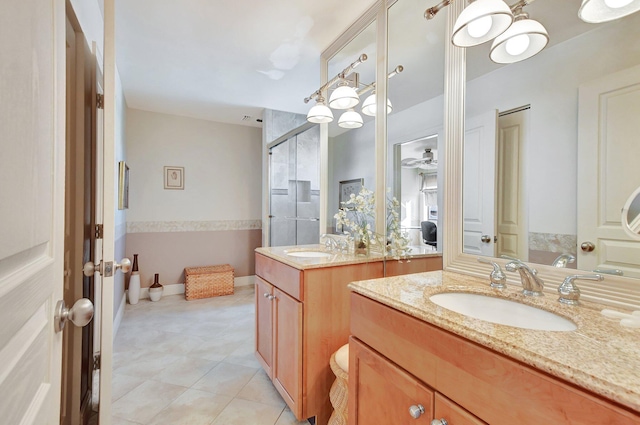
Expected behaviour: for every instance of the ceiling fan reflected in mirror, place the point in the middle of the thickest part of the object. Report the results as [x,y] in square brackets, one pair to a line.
[425,163]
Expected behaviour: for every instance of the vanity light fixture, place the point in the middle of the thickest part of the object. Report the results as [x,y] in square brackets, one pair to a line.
[320,113]
[350,119]
[481,21]
[597,11]
[344,96]
[369,104]
[516,37]
[523,39]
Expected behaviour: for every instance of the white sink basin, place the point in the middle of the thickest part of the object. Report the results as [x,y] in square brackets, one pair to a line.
[503,312]
[309,254]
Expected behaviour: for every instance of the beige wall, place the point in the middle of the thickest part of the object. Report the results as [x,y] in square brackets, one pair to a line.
[216,219]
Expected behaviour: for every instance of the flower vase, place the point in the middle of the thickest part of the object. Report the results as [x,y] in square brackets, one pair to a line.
[361,245]
[155,290]
[134,282]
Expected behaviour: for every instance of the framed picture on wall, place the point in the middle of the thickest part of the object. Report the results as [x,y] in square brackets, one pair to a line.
[348,187]
[174,177]
[123,185]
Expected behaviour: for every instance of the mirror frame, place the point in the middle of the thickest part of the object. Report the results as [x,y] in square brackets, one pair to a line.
[614,290]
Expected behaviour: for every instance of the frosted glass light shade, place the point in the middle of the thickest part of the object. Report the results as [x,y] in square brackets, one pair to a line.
[350,119]
[596,11]
[320,114]
[481,30]
[536,33]
[369,106]
[344,97]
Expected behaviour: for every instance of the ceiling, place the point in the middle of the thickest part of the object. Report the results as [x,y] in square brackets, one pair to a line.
[224,60]
[228,60]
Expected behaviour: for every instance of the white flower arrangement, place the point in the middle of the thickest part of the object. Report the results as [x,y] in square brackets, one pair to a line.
[358,213]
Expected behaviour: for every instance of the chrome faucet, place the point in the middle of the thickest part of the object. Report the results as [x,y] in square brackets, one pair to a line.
[532,285]
[332,242]
[497,276]
[569,292]
[563,260]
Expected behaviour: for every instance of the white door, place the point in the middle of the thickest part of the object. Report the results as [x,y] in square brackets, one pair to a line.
[510,212]
[479,184]
[32,142]
[608,152]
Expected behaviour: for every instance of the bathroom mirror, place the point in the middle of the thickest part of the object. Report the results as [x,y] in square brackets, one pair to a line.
[631,215]
[550,151]
[351,151]
[415,123]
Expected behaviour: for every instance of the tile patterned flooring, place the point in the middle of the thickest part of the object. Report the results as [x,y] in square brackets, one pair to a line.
[184,362]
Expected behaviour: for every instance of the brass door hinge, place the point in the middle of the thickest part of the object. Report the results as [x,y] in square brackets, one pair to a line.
[99,231]
[100,101]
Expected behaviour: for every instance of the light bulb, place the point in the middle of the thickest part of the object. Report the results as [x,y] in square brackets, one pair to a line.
[481,26]
[517,45]
[617,4]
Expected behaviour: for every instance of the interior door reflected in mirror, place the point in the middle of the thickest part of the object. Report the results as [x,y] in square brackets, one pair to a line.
[631,215]
[563,172]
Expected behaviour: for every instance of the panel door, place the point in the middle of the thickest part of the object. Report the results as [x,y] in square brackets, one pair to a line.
[479,184]
[287,361]
[381,393]
[608,171]
[32,141]
[511,227]
[264,325]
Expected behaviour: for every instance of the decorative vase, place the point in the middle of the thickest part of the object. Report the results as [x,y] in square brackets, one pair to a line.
[134,282]
[361,245]
[155,290]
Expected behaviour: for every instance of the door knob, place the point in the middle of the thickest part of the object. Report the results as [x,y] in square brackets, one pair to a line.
[416,411]
[442,421]
[106,269]
[485,238]
[587,246]
[80,314]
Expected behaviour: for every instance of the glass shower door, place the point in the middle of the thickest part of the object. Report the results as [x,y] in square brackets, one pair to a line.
[295,190]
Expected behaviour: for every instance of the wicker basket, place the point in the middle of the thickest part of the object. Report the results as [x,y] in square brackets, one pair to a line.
[209,281]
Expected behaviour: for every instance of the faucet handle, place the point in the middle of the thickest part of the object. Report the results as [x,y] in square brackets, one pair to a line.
[569,291]
[497,277]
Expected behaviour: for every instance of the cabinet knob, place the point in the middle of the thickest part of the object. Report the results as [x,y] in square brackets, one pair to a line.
[416,411]
[272,297]
[266,295]
[442,421]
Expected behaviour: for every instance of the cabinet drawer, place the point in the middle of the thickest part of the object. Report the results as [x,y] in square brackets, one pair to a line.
[286,278]
[493,387]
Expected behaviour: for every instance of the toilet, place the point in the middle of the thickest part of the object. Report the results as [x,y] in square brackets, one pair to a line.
[339,363]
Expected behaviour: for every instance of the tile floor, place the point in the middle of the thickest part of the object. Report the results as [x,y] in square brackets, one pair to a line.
[184,362]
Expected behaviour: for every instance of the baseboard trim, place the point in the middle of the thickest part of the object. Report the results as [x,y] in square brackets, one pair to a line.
[178,289]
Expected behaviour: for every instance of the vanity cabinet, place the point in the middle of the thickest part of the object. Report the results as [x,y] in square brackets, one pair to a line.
[382,393]
[302,318]
[470,383]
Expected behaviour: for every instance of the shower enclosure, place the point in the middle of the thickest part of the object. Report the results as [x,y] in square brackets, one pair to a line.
[294,189]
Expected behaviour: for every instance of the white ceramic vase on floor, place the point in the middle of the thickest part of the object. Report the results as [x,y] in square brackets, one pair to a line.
[134,288]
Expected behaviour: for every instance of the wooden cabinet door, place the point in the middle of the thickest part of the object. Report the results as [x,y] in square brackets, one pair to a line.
[454,414]
[287,361]
[381,393]
[264,325]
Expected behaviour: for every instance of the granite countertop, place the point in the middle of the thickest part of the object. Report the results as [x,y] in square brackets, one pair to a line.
[279,253]
[600,355]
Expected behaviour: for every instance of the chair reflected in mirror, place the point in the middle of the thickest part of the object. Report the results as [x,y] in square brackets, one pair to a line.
[429,233]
